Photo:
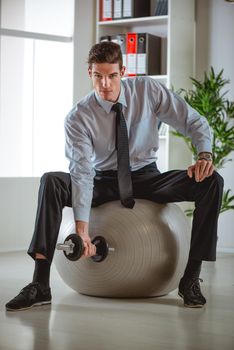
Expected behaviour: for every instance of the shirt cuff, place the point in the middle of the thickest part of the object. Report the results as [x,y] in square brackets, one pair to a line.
[204,147]
[81,214]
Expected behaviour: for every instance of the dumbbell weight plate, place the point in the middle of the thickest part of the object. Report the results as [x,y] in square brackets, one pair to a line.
[101,249]
[78,248]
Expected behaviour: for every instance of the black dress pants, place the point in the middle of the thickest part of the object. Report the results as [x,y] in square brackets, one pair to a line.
[148,183]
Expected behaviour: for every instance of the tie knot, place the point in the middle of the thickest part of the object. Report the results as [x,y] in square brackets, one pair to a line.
[117,107]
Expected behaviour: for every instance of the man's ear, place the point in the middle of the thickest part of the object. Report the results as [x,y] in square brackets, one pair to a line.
[122,71]
[90,72]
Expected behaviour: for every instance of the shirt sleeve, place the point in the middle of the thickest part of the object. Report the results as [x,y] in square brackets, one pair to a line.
[171,109]
[78,150]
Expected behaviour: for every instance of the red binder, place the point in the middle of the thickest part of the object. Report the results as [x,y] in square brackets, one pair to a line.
[131,49]
[106,10]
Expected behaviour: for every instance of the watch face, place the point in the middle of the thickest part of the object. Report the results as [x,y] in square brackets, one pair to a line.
[205,155]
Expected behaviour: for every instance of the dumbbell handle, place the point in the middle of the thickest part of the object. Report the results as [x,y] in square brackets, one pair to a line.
[111,249]
[69,248]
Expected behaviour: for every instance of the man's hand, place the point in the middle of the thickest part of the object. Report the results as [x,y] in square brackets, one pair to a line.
[201,169]
[82,228]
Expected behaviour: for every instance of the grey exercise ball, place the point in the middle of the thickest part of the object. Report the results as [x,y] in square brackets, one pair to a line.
[151,243]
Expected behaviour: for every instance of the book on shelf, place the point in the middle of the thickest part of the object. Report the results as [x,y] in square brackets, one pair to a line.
[117,9]
[136,8]
[148,54]
[131,51]
[121,40]
[161,8]
[121,9]
[106,10]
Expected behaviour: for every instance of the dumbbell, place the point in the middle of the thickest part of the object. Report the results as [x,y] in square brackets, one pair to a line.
[73,248]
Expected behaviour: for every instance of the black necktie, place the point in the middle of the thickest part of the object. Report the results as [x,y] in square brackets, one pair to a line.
[123,170]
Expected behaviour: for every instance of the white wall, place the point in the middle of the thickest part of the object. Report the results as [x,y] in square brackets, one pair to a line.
[215,47]
[17,212]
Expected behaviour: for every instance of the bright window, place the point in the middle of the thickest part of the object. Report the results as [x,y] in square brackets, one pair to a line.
[36,85]
[42,16]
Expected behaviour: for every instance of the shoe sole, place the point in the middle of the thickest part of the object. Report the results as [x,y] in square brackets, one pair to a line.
[198,306]
[30,307]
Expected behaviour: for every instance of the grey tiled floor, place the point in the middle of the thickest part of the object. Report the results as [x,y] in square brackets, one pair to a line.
[80,322]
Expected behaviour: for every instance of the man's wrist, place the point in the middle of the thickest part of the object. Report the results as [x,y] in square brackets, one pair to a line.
[82,227]
[205,155]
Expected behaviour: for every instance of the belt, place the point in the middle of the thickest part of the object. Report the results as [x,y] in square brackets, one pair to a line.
[151,166]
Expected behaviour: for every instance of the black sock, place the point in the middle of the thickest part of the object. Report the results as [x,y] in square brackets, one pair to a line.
[42,272]
[192,269]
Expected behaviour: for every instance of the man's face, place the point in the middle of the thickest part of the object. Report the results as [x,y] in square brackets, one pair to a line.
[106,79]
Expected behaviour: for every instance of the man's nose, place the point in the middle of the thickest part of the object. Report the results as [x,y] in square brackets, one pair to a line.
[106,82]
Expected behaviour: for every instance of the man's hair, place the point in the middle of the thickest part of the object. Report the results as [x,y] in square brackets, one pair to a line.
[105,52]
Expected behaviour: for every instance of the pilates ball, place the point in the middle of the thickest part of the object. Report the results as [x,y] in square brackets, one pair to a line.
[151,246]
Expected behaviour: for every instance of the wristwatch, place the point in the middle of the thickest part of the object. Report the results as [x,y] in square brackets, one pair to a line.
[205,155]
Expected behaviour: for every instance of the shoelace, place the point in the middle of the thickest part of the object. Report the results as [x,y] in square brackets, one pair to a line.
[195,286]
[30,288]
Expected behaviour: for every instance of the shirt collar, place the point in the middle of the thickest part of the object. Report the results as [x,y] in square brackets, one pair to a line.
[107,105]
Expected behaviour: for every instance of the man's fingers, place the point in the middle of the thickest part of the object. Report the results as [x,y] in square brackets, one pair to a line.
[208,172]
[89,249]
[92,250]
[203,169]
[85,249]
[201,173]
[190,171]
[197,171]
[211,170]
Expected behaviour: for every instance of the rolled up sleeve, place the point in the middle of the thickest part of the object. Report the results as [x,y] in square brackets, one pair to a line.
[79,150]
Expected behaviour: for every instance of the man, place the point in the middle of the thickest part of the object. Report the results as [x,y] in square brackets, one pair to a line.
[114,125]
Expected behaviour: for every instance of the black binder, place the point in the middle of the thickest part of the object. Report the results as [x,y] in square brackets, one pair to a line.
[148,54]
[161,8]
[164,10]
[105,38]
[136,8]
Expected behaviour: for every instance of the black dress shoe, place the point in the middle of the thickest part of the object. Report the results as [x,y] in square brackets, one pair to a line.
[190,291]
[31,295]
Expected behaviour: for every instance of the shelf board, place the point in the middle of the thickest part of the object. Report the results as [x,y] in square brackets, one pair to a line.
[150,20]
[159,77]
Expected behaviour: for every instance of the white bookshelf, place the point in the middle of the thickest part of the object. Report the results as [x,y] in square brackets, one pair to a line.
[177,61]
[151,20]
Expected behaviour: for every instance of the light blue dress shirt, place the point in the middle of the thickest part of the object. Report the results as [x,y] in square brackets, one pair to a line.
[90,133]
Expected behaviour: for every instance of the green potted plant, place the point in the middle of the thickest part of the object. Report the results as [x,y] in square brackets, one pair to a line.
[209,98]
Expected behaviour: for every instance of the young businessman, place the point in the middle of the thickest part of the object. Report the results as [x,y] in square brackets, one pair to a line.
[111,142]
